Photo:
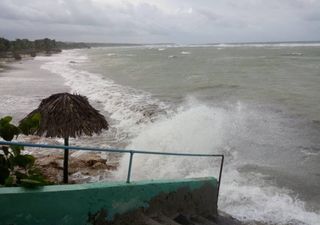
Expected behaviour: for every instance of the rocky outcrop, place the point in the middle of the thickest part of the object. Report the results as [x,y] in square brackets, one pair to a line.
[82,168]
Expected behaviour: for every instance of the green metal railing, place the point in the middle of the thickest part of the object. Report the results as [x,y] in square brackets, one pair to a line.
[114,150]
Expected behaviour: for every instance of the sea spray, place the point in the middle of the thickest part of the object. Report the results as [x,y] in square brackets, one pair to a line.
[244,134]
[127,108]
[200,128]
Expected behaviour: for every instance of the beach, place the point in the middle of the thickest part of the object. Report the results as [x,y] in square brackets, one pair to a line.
[24,84]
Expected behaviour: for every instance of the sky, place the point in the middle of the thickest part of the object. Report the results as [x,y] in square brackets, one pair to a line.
[162,21]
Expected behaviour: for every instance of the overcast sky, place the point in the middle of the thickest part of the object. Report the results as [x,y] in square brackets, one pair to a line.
[150,21]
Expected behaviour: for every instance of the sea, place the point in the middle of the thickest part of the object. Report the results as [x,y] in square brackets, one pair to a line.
[258,104]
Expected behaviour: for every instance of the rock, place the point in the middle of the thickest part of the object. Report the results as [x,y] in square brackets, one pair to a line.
[85,166]
[226,219]
[99,165]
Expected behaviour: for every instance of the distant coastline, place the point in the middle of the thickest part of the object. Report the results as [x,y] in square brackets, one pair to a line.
[19,48]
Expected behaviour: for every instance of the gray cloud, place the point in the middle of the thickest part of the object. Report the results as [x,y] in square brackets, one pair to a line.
[180,21]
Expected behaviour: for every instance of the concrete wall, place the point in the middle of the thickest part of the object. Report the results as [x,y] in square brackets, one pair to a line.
[86,203]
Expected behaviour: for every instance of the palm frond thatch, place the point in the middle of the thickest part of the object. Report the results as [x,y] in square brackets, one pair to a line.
[68,115]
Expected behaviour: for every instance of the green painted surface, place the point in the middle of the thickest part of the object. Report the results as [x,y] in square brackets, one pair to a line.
[70,204]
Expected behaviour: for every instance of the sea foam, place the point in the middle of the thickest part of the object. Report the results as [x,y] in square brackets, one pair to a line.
[128,108]
[199,128]
[194,127]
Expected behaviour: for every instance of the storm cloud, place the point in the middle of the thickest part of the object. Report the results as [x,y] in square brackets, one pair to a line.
[179,21]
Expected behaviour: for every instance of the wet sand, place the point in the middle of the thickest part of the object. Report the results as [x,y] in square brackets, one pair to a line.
[22,86]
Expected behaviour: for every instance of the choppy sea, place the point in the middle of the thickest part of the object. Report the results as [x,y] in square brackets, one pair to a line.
[258,104]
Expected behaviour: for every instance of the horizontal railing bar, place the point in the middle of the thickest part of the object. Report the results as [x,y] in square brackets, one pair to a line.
[122,151]
[107,149]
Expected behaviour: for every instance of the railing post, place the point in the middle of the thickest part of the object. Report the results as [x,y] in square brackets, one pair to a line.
[220,176]
[130,165]
[66,162]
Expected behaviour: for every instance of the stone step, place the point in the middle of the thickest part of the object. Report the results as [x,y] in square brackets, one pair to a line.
[184,220]
[202,220]
[150,221]
[166,220]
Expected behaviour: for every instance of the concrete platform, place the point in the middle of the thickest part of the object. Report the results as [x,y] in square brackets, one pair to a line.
[187,201]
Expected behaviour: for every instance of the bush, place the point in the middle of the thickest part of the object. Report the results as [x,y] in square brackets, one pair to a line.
[16,56]
[17,169]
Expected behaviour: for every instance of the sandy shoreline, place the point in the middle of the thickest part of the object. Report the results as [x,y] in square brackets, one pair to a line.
[23,84]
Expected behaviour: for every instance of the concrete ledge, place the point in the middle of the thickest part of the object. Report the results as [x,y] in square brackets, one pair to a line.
[83,204]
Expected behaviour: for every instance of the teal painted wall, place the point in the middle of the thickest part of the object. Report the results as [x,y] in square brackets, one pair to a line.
[71,204]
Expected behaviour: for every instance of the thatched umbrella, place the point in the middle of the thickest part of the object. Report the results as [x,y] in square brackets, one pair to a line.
[67,115]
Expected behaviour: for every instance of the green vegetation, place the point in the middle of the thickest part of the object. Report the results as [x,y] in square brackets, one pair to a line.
[73,45]
[4,45]
[14,49]
[17,169]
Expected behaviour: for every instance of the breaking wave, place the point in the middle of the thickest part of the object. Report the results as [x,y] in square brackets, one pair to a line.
[193,127]
[199,128]
[128,108]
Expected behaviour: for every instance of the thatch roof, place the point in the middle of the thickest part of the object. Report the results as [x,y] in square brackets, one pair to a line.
[68,115]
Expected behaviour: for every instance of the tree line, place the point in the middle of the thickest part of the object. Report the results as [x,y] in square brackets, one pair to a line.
[27,46]
[20,47]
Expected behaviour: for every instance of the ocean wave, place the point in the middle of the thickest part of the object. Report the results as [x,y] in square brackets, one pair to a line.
[216,86]
[196,128]
[128,108]
[269,45]
[185,53]
[310,151]
[293,54]
[220,46]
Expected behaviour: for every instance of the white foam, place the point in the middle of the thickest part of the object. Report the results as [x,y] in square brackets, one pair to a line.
[126,106]
[294,54]
[199,128]
[248,198]
[195,127]
[309,152]
[257,45]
